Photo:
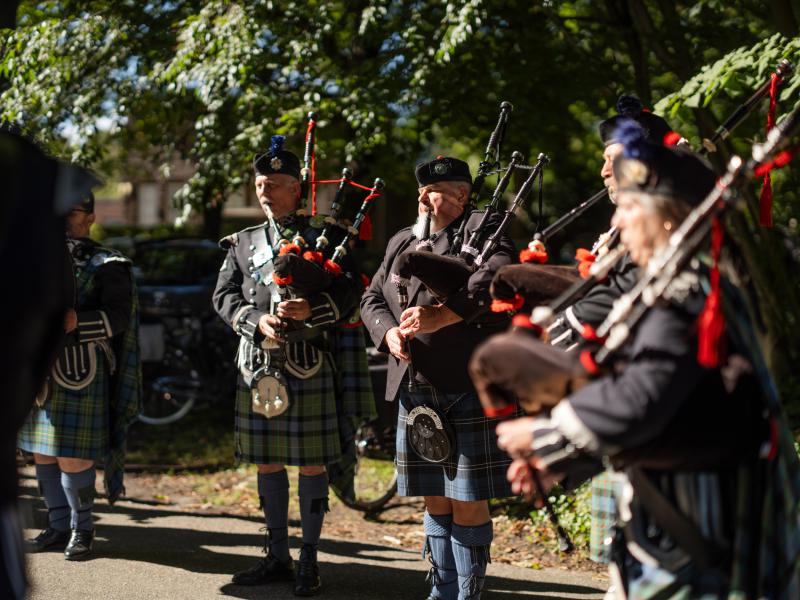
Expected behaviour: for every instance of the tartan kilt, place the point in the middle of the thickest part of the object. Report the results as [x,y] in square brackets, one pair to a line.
[307,434]
[604,517]
[354,384]
[72,424]
[477,469]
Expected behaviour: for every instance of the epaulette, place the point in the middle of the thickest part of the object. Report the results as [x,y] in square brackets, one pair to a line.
[229,241]
[103,256]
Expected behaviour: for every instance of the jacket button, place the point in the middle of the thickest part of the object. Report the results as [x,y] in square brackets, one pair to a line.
[377,321]
[252,246]
[252,292]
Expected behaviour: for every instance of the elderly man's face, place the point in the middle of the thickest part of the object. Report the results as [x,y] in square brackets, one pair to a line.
[79,222]
[446,199]
[278,194]
[607,172]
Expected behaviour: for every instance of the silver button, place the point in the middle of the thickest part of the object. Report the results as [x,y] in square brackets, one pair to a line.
[377,321]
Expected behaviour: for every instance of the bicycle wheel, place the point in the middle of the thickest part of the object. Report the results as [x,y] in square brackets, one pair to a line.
[169,398]
[369,480]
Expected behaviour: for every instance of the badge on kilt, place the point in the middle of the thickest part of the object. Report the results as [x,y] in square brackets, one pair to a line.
[269,392]
[429,434]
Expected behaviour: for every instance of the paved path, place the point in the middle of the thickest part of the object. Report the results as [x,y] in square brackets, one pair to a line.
[145,552]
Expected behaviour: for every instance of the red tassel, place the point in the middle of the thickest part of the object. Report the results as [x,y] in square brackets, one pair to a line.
[588,362]
[765,201]
[282,280]
[671,138]
[590,334]
[514,303]
[711,323]
[286,248]
[314,256]
[495,413]
[527,255]
[365,281]
[365,231]
[585,261]
[332,268]
[524,322]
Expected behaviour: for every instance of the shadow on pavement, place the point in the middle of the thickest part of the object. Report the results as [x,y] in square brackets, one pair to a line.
[401,574]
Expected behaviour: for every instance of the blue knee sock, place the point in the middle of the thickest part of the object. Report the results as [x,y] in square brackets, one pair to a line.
[79,490]
[471,552]
[442,576]
[58,511]
[313,495]
[273,491]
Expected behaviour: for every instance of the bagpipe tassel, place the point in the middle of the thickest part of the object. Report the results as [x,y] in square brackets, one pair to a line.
[365,231]
[711,324]
[585,261]
[765,200]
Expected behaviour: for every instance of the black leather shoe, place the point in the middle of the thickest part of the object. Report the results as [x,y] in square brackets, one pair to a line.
[48,538]
[266,570]
[80,544]
[306,581]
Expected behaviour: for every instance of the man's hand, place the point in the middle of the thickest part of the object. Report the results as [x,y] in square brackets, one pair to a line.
[516,437]
[70,320]
[520,474]
[396,342]
[270,327]
[296,308]
[426,319]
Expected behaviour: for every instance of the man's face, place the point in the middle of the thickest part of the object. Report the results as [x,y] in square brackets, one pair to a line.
[446,199]
[278,194]
[79,222]
[607,172]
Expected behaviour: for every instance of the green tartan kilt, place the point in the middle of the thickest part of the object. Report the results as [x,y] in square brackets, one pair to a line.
[307,434]
[72,424]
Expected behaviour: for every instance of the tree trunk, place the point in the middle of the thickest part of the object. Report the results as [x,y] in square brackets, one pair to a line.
[212,221]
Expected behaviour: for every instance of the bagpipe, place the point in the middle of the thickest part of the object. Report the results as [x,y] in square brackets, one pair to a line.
[443,276]
[534,283]
[301,268]
[517,366]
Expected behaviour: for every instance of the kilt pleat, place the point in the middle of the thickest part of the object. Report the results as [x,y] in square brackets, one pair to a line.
[307,434]
[477,469]
[72,424]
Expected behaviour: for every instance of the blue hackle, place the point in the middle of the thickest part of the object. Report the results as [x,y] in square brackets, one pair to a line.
[629,106]
[276,144]
[633,138]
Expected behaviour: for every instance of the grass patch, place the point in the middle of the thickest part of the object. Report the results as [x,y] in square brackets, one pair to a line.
[203,439]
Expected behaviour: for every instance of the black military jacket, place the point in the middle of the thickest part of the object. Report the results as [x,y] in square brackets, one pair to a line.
[103,306]
[594,307]
[242,296]
[439,358]
[660,409]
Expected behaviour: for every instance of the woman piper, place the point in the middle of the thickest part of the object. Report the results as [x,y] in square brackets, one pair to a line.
[708,503]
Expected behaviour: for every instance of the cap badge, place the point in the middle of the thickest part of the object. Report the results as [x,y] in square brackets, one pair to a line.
[276,164]
[440,168]
[635,171]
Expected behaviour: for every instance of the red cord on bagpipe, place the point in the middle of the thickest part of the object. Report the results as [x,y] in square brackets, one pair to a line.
[765,201]
[365,233]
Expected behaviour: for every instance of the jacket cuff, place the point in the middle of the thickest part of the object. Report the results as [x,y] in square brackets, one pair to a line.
[245,323]
[323,310]
[551,446]
[466,306]
[93,325]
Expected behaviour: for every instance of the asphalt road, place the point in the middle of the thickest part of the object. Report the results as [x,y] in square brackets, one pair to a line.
[148,552]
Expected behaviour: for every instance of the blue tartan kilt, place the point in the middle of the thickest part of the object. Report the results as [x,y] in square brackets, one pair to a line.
[477,469]
[72,424]
[307,434]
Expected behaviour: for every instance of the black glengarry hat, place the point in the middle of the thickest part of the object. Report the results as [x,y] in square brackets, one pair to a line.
[442,168]
[277,160]
[653,168]
[86,204]
[630,107]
